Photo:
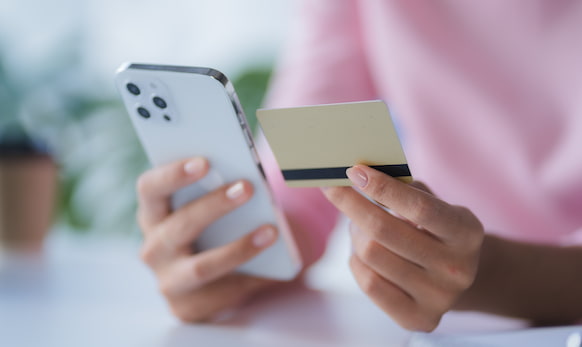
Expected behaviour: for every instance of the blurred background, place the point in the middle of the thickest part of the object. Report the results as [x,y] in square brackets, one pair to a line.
[69,158]
[59,107]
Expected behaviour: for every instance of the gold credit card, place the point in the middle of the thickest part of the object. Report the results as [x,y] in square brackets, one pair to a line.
[314,145]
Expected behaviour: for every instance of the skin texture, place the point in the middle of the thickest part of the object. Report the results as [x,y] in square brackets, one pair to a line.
[197,286]
[415,262]
[540,283]
[427,257]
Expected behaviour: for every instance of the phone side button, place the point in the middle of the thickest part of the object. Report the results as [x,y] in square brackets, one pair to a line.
[248,137]
[239,114]
[261,170]
[255,156]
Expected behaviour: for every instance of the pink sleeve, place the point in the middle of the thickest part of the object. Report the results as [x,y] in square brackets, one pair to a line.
[323,62]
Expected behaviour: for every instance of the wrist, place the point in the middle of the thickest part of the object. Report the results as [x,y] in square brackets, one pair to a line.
[537,282]
[491,262]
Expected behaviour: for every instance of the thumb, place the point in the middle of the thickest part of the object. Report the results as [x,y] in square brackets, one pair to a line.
[421,186]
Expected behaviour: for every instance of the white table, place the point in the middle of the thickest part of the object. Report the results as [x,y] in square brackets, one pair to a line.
[99,294]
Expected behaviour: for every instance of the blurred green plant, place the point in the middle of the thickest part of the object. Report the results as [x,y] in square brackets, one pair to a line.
[9,97]
[81,118]
[250,87]
[87,133]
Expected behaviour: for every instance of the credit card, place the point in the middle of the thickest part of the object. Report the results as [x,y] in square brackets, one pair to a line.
[315,145]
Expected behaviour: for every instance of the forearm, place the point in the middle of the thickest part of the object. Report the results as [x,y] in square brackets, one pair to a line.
[538,282]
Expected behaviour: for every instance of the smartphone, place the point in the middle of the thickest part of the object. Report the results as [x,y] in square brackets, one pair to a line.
[180,112]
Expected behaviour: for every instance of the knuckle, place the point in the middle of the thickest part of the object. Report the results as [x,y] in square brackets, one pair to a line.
[198,271]
[143,185]
[369,283]
[464,215]
[183,315]
[477,236]
[403,275]
[424,211]
[335,195]
[368,252]
[470,232]
[461,275]
[468,220]
[178,225]
[166,287]
[427,323]
[378,187]
[168,175]
[187,313]
[420,320]
[375,225]
[361,276]
[463,211]
[465,280]
[148,253]
[424,254]
[442,299]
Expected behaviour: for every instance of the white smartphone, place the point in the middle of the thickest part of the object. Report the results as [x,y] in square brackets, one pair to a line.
[180,112]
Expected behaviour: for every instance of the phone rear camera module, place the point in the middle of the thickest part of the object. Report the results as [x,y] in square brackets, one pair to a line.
[161,103]
[133,89]
[143,112]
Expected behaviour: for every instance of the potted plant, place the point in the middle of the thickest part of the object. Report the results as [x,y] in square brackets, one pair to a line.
[27,177]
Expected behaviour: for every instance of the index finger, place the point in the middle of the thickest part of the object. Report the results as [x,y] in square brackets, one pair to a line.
[195,271]
[156,186]
[418,206]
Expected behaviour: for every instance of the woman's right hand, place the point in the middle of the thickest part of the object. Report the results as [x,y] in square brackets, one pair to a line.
[196,285]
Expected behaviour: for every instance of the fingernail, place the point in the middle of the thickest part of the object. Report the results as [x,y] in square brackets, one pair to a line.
[357,176]
[235,190]
[194,166]
[264,237]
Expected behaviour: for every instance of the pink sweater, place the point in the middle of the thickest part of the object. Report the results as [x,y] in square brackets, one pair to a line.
[488,96]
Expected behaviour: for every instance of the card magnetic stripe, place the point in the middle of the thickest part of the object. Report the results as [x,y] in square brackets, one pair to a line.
[400,170]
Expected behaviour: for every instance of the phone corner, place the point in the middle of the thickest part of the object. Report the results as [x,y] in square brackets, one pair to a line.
[122,67]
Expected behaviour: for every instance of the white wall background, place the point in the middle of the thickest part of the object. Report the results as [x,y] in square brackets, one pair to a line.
[94,37]
[229,35]
[224,34]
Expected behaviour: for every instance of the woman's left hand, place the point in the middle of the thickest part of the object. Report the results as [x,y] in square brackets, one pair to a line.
[415,262]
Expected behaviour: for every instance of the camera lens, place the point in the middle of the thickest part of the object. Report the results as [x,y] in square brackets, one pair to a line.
[161,103]
[143,112]
[133,89]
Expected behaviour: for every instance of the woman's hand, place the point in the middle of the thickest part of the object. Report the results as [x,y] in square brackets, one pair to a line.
[416,262]
[196,285]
